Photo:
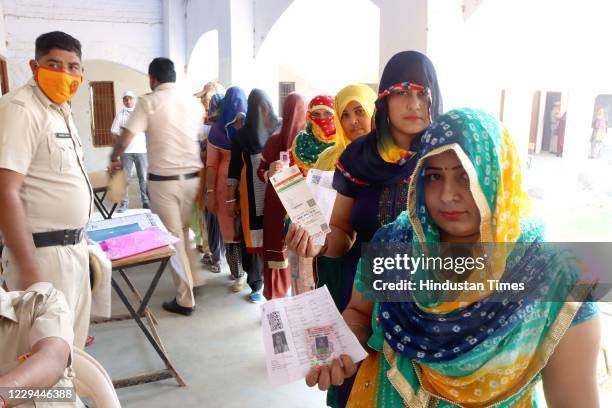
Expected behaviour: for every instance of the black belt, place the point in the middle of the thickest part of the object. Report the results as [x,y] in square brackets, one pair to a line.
[62,237]
[155,177]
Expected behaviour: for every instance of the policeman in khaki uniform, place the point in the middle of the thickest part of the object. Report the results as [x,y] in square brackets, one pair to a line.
[36,342]
[46,195]
[171,121]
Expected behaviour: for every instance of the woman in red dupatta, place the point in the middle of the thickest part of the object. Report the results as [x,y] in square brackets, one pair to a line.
[277,276]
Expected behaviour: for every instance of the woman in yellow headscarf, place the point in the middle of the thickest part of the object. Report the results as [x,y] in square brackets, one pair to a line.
[354,106]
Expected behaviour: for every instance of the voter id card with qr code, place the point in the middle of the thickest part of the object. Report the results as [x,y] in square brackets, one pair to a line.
[299,202]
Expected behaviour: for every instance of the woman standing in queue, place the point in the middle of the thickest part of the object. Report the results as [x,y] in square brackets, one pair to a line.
[248,204]
[231,118]
[318,136]
[373,173]
[481,347]
[277,275]
[354,106]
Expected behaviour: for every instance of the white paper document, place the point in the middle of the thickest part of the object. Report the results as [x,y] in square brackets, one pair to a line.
[299,203]
[144,220]
[320,184]
[303,331]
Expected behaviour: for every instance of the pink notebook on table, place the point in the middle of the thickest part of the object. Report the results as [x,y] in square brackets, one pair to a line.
[136,243]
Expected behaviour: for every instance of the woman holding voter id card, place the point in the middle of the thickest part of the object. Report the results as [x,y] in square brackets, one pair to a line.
[277,276]
[372,174]
[479,349]
[319,135]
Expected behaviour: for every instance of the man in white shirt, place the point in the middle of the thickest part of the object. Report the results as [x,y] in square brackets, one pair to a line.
[136,152]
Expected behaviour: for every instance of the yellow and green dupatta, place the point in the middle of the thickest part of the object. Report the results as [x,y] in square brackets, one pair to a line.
[481,350]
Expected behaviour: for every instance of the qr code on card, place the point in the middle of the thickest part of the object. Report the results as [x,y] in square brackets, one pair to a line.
[315,179]
[311,202]
[275,321]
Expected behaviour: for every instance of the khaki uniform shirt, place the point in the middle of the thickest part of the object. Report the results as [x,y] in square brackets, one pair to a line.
[38,139]
[171,121]
[29,316]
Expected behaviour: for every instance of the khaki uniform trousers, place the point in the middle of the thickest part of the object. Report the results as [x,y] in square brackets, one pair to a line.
[66,268]
[173,201]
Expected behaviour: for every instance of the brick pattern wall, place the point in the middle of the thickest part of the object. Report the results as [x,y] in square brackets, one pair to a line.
[125,32]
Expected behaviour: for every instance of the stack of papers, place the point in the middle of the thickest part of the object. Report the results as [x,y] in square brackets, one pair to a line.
[126,236]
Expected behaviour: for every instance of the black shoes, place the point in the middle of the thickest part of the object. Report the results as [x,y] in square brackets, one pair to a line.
[174,307]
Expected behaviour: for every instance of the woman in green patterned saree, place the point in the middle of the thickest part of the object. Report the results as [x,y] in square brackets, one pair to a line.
[481,349]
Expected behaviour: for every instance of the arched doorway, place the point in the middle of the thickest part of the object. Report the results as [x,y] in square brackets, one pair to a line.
[203,63]
[319,47]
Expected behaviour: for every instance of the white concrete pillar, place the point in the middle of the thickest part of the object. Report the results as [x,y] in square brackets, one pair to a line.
[403,26]
[243,48]
[174,34]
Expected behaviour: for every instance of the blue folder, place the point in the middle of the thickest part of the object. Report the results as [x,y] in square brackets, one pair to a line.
[101,235]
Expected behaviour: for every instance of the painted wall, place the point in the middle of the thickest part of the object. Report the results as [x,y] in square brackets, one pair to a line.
[128,33]
[3,51]
[125,78]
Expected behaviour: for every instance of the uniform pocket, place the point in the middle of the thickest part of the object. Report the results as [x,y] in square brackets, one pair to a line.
[61,151]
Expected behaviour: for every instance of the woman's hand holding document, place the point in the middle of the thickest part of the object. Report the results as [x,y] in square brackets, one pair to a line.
[306,331]
[320,184]
[299,202]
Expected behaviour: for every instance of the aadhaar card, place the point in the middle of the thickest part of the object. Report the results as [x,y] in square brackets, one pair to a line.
[299,202]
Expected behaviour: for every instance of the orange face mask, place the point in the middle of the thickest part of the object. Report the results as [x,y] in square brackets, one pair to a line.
[57,85]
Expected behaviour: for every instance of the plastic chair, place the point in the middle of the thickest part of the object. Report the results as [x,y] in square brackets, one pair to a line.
[92,381]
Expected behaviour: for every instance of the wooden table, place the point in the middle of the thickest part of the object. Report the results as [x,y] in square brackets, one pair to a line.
[99,184]
[140,310]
